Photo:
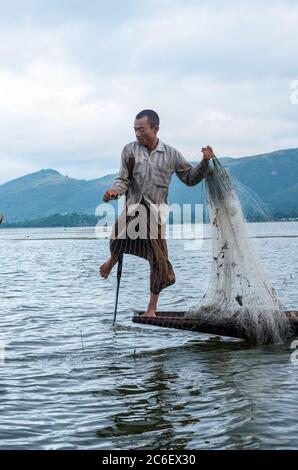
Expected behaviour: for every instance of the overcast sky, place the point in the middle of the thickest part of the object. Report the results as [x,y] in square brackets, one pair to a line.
[74,73]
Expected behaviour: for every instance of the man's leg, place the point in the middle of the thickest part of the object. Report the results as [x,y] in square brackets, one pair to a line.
[108,265]
[117,245]
[151,309]
[161,271]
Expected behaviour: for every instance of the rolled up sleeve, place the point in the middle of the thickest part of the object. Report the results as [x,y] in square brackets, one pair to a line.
[188,174]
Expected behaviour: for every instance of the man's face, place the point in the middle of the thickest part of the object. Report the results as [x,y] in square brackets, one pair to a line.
[145,134]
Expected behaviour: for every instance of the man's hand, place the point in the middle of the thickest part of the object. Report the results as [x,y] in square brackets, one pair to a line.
[207,152]
[109,195]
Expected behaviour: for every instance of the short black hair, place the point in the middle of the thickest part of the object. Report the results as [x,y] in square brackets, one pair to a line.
[153,118]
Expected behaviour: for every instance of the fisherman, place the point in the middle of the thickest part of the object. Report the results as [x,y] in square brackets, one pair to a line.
[145,173]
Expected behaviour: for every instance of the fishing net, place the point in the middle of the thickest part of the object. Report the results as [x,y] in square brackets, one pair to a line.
[238,291]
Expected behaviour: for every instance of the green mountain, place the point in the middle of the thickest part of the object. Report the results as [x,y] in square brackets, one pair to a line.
[267,185]
[48,192]
[58,220]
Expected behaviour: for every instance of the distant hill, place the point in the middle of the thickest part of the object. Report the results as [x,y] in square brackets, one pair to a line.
[47,192]
[58,220]
[267,185]
[273,177]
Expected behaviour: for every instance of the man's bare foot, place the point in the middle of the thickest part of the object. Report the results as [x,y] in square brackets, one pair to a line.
[151,309]
[107,267]
[149,313]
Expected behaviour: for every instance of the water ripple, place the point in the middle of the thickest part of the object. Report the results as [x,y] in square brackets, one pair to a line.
[71,381]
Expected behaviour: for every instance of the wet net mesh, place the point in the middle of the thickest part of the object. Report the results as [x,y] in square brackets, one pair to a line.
[238,290]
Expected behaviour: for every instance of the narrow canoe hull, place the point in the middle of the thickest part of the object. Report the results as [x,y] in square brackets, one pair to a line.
[178,321]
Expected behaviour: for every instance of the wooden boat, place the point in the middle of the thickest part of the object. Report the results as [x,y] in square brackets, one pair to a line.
[179,321]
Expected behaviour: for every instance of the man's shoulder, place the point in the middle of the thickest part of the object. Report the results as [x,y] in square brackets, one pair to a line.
[170,150]
[130,147]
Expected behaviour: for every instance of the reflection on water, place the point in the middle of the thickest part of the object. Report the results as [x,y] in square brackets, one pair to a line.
[70,380]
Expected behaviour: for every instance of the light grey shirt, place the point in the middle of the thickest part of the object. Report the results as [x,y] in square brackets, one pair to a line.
[148,175]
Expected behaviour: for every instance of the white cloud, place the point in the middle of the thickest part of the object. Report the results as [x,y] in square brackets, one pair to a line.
[218,73]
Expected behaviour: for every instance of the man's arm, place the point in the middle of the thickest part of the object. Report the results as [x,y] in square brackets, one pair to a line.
[121,183]
[191,175]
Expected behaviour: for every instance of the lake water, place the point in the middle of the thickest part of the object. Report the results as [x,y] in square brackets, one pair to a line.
[68,380]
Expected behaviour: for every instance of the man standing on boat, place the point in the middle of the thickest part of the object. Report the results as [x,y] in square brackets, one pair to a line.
[145,173]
